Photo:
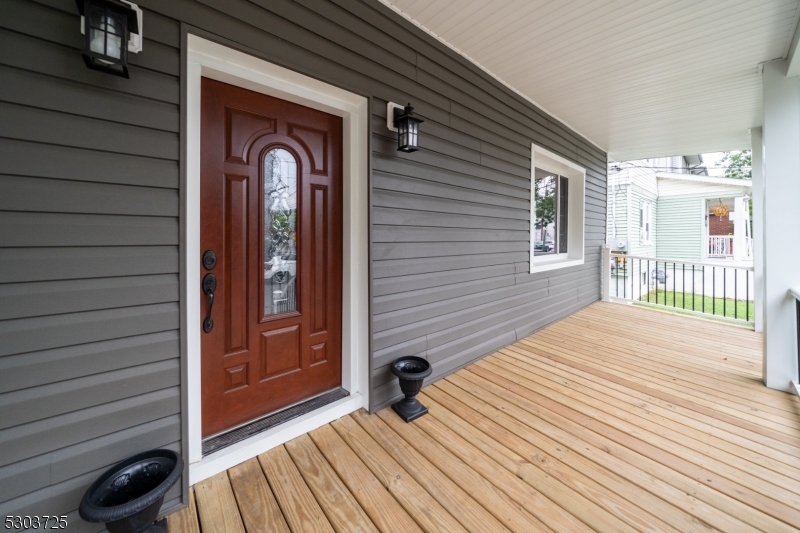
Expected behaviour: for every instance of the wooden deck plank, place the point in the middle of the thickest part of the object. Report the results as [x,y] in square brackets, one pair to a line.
[257,505]
[640,406]
[616,418]
[771,483]
[711,508]
[421,505]
[493,469]
[379,505]
[486,486]
[490,435]
[682,369]
[185,520]
[686,379]
[787,436]
[216,506]
[466,495]
[664,408]
[532,402]
[620,367]
[699,348]
[696,353]
[299,507]
[683,375]
[493,429]
[341,508]
[692,326]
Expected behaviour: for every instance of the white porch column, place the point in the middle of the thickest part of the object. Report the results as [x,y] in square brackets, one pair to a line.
[738,228]
[781,223]
[757,145]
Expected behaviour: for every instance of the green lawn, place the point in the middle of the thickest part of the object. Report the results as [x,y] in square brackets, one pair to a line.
[727,307]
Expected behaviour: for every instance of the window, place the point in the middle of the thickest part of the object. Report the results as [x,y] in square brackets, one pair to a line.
[280,232]
[557,211]
[551,194]
[645,222]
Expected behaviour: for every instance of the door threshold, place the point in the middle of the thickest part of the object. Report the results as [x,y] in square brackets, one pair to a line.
[240,433]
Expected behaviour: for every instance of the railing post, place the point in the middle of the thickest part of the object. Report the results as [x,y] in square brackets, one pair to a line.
[605,269]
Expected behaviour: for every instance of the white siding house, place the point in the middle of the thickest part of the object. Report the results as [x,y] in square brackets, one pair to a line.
[662,209]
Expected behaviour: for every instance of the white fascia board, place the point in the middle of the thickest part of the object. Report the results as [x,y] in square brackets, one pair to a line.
[732,182]
[792,59]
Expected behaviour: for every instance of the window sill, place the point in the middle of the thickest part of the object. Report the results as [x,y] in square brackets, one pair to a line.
[544,266]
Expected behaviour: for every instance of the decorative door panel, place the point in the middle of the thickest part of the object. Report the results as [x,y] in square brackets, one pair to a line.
[271,216]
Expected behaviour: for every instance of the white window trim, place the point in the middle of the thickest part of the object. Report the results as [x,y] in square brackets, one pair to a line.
[646,219]
[212,60]
[547,160]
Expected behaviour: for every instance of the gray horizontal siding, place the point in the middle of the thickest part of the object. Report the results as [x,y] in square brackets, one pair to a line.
[89,206]
[89,262]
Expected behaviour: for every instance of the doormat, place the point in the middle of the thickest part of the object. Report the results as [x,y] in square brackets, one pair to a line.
[223,440]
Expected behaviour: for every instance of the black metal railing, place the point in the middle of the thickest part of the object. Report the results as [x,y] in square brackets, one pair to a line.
[721,291]
[795,291]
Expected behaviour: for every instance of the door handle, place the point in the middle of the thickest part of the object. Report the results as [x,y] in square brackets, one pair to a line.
[209,286]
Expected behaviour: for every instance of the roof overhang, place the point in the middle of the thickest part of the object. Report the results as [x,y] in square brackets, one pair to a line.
[728,182]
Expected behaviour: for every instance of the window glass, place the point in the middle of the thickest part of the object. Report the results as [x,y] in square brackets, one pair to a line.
[280,232]
[645,211]
[545,196]
[563,211]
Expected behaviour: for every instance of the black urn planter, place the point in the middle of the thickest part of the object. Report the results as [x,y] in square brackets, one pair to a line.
[128,496]
[411,371]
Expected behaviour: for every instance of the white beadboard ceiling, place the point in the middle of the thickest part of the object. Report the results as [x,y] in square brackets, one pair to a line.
[639,78]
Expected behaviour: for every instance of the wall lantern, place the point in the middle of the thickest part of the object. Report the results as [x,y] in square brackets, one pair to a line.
[111,28]
[401,120]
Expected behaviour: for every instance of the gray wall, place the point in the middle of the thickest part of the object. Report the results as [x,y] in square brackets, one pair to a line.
[89,193]
[89,300]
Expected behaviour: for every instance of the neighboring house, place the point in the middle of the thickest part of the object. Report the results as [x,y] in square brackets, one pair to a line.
[670,209]
[704,219]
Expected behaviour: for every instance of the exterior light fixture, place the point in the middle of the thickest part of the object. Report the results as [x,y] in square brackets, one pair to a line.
[401,120]
[108,26]
[720,210]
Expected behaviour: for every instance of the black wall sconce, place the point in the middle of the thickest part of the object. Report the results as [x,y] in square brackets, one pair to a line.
[402,120]
[111,29]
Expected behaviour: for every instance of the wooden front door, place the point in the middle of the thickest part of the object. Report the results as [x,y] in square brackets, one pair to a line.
[271,247]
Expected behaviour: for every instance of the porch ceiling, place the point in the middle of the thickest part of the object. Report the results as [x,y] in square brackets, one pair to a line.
[639,78]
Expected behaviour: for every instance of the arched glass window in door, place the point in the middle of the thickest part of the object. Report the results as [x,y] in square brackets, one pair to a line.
[280,232]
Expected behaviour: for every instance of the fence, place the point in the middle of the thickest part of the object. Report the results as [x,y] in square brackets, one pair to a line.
[725,292]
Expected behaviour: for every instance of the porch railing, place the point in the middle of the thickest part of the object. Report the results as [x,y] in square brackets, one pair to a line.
[720,246]
[722,292]
[723,246]
[795,291]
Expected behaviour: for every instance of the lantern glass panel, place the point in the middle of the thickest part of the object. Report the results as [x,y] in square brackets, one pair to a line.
[105,33]
[413,129]
[402,134]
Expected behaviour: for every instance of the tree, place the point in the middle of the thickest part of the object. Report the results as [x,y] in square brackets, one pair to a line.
[738,164]
[545,199]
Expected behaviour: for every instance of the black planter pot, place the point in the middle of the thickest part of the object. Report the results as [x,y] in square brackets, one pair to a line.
[128,496]
[411,371]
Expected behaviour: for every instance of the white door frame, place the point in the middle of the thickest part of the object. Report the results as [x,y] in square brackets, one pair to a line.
[212,60]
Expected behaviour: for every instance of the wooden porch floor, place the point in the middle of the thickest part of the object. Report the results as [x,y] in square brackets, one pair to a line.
[615,419]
